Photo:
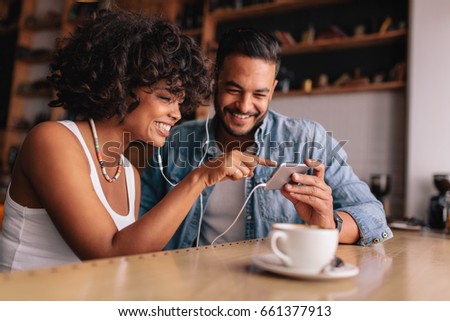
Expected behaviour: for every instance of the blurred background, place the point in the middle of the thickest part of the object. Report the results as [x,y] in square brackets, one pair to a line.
[373,72]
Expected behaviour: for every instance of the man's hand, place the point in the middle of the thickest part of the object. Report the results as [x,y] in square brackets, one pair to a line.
[312,198]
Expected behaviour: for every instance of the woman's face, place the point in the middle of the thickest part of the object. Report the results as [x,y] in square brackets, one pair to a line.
[157,112]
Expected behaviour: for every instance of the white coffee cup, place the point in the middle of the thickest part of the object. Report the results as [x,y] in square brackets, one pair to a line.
[308,249]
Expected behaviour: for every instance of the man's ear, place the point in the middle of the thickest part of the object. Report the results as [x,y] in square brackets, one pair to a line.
[273,89]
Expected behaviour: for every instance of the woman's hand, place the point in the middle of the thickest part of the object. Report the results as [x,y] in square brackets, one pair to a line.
[233,165]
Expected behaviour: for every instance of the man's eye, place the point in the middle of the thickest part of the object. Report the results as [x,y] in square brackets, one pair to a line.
[259,96]
[233,91]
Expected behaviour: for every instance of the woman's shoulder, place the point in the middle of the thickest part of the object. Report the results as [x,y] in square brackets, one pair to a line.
[51,131]
[46,128]
[47,137]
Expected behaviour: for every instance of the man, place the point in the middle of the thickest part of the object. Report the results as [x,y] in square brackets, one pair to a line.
[332,196]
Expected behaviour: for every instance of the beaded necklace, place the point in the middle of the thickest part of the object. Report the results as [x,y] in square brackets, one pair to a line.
[100,159]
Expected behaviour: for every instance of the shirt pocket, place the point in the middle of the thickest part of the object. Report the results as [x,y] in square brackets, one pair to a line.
[273,207]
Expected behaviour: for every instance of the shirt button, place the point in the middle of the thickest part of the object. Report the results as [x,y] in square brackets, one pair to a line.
[249,217]
[204,193]
[376,240]
[384,235]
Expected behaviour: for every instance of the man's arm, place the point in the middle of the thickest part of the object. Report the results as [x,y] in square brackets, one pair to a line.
[153,187]
[334,186]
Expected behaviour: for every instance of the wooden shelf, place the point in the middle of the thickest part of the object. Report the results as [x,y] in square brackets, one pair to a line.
[193,32]
[45,25]
[369,40]
[6,30]
[32,60]
[391,85]
[229,14]
[207,36]
[36,94]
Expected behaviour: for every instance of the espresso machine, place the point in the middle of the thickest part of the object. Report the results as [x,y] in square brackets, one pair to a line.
[380,186]
[437,213]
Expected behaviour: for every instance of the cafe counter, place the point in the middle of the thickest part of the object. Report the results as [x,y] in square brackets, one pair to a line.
[414,265]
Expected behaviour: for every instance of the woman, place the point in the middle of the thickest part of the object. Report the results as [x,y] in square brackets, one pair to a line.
[73,195]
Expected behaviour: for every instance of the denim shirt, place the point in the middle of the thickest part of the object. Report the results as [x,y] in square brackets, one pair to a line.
[281,139]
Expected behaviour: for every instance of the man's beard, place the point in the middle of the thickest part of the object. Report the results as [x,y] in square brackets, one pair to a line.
[220,113]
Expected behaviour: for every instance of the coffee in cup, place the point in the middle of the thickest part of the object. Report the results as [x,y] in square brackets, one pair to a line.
[308,249]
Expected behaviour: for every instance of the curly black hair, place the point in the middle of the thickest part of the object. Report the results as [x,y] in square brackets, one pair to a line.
[98,68]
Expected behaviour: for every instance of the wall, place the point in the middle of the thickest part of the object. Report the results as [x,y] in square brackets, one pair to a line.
[41,39]
[373,123]
[428,100]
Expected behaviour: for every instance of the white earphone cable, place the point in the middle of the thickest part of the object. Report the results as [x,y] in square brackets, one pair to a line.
[206,142]
[161,169]
[240,212]
[200,220]
[199,164]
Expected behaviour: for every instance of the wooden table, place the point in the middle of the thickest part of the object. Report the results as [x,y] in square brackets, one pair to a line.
[411,266]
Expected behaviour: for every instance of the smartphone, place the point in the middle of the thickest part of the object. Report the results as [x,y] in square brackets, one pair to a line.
[282,175]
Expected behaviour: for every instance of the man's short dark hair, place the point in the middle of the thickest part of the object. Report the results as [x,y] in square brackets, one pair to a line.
[251,43]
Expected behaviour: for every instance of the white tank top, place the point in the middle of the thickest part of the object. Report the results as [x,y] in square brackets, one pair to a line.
[30,240]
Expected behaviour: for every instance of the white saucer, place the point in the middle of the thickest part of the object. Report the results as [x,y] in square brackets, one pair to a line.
[270,262]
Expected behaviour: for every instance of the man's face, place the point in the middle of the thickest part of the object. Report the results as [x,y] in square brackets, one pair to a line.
[244,89]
